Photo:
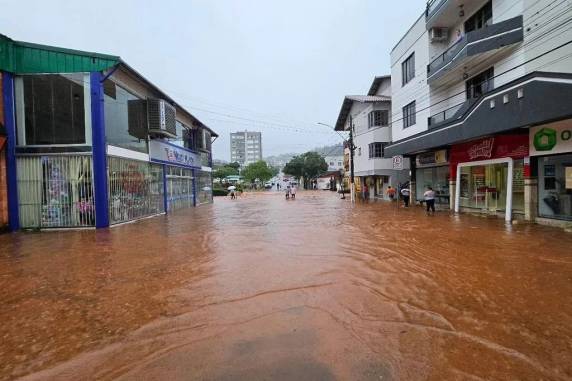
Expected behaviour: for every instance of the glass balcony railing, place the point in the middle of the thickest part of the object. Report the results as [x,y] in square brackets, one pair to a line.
[444,115]
[432,6]
[447,56]
[476,42]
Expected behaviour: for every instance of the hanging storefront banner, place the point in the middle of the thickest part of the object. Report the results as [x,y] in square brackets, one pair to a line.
[168,153]
[432,158]
[551,138]
[501,146]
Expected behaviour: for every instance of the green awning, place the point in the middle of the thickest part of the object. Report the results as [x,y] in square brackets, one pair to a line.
[26,58]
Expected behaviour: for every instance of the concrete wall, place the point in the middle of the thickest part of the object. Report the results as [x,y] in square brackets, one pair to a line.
[415,40]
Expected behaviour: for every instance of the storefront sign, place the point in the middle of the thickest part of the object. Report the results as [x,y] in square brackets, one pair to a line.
[482,149]
[169,153]
[501,146]
[551,139]
[431,158]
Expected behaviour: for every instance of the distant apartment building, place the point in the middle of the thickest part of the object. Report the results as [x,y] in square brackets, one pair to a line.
[245,147]
[481,95]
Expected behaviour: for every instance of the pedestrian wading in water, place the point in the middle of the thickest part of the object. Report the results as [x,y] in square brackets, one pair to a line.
[405,195]
[293,191]
[287,192]
[429,197]
[391,193]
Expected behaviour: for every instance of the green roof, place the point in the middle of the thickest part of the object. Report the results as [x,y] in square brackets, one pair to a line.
[25,58]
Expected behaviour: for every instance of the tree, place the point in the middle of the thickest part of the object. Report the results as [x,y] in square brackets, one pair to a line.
[235,165]
[257,171]
[224,171]
[295,167]
[307,165]
[275,170]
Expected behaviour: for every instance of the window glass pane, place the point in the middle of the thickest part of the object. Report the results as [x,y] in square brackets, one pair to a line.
[54,109]
[117,119]
[409,115]
[554,187]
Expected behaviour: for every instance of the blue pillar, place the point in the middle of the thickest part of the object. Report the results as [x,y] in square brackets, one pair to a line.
[99,151]
[165,202]
[194,187]
[11,175]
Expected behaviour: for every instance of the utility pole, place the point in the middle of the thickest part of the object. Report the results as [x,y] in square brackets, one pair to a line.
[352,148]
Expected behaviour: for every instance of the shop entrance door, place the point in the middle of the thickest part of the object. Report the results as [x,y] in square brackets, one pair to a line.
[485,185]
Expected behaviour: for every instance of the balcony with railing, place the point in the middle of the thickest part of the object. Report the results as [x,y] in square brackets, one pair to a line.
[432,7]
[448,13]
[474,44]
[443,116]
[456,112]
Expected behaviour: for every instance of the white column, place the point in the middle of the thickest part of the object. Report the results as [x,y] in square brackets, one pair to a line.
[458,189]
[508,213]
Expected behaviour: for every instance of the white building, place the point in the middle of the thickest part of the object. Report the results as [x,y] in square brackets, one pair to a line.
[370,115]
[335,162]
[469,80]
[245,147]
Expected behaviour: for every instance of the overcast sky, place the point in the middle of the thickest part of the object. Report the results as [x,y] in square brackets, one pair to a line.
[273,66]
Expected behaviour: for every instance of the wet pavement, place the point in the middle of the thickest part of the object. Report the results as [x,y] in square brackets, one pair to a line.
[266,289]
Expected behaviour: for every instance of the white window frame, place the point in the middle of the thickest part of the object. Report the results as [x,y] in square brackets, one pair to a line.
[509,161]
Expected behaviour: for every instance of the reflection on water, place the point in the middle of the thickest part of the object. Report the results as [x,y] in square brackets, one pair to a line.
[313,289]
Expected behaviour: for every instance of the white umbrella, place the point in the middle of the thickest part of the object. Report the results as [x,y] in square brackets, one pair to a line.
[231,188]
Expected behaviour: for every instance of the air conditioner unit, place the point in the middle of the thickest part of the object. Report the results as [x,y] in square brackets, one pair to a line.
[151,117]
[437,34]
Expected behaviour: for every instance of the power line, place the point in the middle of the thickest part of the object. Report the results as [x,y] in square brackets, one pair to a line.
[496,76]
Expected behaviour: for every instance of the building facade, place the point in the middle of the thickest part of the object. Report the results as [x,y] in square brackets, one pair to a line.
[369,116]
[92,143]
[245,147]
[481,95]
[335,163]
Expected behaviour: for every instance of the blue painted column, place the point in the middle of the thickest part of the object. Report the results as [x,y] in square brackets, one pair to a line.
[165,200]
[99,151]
[194,187]
[11,174]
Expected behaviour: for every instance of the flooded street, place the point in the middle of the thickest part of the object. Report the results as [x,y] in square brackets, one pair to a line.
[311,289]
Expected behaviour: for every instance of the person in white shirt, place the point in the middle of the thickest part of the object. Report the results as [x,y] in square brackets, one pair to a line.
[405,195]
[429,197]
[293,191]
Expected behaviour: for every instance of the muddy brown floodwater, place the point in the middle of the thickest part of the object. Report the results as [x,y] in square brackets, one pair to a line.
[311,289]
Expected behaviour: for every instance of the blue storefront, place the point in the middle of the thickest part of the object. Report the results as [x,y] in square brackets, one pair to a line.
[92,143]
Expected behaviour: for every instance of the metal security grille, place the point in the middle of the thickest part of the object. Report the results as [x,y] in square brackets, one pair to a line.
[55,191]
[204,187]
[135,189]
[179,188]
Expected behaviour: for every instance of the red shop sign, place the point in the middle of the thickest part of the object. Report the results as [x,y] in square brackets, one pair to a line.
[495,147]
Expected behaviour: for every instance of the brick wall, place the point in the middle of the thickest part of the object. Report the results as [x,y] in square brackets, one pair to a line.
[3,190]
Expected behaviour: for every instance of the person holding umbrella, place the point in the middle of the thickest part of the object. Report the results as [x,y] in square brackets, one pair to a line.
[232,189]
